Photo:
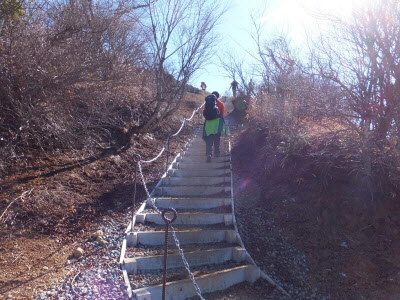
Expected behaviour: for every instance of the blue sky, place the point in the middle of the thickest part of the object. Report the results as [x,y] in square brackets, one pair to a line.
[290,17]
[233,31]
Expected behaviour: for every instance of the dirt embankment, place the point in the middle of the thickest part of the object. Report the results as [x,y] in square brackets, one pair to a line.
[69,195]
[314,236]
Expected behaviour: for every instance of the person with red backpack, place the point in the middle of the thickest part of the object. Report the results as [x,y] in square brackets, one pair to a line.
[214,125]
[203,85]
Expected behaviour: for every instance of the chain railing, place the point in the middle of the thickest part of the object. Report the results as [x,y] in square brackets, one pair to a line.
[138,167]
[167,226]
[185,263]
[176,133]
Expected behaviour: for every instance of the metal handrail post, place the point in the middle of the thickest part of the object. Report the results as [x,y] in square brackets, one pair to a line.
[136,160]
[167,164]
[167,223]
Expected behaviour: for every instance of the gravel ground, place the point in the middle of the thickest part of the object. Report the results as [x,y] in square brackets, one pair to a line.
[269,247]
[95,275]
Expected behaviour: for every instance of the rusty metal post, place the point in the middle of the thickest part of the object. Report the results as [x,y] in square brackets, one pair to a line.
[136,160]
[194,125]
[166,167]
[167,222]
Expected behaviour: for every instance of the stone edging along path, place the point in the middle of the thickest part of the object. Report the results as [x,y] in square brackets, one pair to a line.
[97,274]
[205,227]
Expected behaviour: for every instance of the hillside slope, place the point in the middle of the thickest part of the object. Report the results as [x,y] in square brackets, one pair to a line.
[54,202]
[315,234]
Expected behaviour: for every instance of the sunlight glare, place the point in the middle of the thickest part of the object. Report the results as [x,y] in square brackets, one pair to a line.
[295,10]
[296,17]
[341,8]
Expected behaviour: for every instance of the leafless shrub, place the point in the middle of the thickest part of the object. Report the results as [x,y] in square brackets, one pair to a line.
[181,38]
[89,74]
[341,98]
[70,77]
[360,60]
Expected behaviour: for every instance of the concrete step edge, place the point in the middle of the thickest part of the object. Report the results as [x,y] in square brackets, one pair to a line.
[198,173]
[194,181]
[194,258]
[187,218]
[191,203]
[191,190]
[155,238]
[183,289]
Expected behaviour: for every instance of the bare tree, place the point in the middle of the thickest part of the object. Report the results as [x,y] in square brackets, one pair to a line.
[278,68]
[181,39]
[66,76]
[362,59]
[10,10]
[236,67]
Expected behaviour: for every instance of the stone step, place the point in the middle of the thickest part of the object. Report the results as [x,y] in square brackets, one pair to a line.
[192,191]
[184,181]
[217,281]
[195,148]
[202,149]
[200,165]
[194,236]
[187,158]
[186,218]
[204,228]
[202,146]
[202,153]
[190,203]
[201,158]
[194,258]
[199,139]
[201,143]
[198,173]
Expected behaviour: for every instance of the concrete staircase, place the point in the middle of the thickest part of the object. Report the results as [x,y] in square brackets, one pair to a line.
[201,193]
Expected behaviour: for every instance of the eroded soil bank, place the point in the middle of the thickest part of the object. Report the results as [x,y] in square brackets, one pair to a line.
[311,239]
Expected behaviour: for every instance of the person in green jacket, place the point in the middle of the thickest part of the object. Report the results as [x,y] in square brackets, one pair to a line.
[213,130]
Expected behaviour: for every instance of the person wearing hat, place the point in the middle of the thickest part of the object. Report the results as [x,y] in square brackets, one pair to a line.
[213,130]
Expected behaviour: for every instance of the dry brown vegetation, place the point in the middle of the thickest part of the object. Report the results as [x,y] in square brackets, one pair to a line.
[57,198]
[81,82]
[82,90]
[338,105]
[84,87]
[323,143]
[313,188]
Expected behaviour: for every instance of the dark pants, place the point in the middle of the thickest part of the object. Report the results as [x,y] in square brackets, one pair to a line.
[213,140]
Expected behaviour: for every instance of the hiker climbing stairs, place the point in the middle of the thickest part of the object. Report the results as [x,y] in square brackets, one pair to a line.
[201,193]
